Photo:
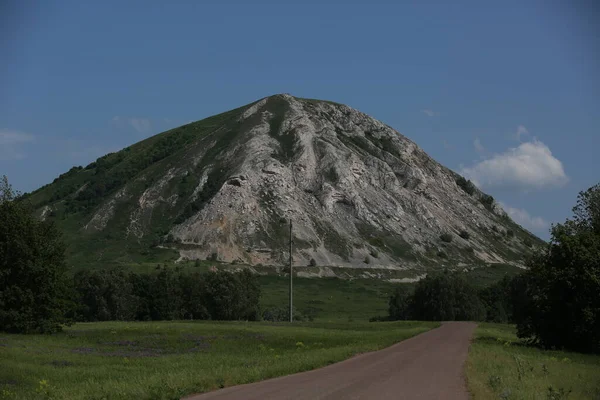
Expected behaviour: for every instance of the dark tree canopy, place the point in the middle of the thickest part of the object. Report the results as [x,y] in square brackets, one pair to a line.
[166,294]
[32,268]
[563,284]
[444,297]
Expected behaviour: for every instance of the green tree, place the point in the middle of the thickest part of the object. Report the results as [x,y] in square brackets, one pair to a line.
[446,297]
[232,296]
[399,305]
[105,296]
[563,284]
[33,289]
[497,300]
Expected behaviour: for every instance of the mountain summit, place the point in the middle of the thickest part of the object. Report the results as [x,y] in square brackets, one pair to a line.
[359,194]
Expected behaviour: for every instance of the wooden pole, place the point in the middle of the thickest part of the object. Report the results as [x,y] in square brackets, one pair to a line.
[291,275]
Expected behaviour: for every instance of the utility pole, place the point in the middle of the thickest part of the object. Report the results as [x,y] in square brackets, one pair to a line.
[291,312]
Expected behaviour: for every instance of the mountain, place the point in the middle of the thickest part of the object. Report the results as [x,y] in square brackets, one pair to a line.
[359,194]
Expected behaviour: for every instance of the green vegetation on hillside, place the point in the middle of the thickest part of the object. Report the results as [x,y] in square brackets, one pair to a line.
[113,184]
[502,367]
[167,360]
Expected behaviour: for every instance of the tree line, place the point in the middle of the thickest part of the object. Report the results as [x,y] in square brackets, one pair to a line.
[166,294]
[555,303]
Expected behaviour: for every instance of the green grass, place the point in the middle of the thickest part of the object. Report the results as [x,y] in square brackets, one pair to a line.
[500,366]
[329,299]
[487,275]
[167,360]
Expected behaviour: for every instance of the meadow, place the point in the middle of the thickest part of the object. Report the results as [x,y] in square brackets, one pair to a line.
[167,360]
[500,366]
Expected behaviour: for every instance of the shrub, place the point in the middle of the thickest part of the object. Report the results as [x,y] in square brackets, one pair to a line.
[367,260]
[313,262]
[282,314]
[466,185]
[527,242]
[487,201]
[510,233]
[465,235]
[442,254]
[374,253]
[213,256]
[446,237]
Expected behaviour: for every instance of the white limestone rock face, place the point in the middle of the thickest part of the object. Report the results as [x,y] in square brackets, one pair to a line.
[352,186]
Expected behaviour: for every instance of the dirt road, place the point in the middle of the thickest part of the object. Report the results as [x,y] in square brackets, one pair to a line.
[427,366]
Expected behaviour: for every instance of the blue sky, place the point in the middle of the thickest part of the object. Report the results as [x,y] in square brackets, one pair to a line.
[506,93]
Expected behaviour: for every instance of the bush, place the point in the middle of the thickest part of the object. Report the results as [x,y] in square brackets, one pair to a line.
[465,235]
[442,254]
[313,262]
[466,185]
[487,201]
[374,253]
[446,237]
[510,233]
[527,242]
[213,256]
[282,314]
[367,260]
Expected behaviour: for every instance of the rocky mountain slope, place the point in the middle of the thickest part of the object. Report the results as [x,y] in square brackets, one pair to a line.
[359,194]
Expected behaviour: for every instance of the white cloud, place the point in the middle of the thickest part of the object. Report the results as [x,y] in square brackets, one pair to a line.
[521,131]
[478,146]
[529,166]
[141,125]
[10,143]
[430,113]
[522,217]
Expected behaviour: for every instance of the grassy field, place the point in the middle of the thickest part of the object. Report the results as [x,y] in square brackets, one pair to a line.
[499,366]
[166,360]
